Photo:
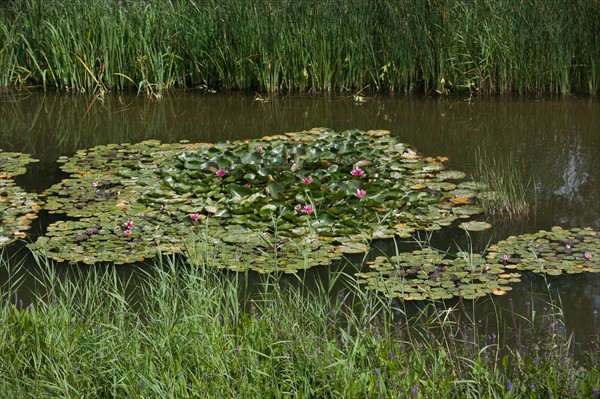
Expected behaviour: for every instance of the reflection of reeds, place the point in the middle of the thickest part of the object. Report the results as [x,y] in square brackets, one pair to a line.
[505,192]
[316,45]
[172,330]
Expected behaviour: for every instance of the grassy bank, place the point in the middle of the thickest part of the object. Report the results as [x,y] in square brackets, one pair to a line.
[530,46]
[188,332]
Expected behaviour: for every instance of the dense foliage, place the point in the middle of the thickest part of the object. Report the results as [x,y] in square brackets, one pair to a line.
[529,46]
[182,332]
[303,198]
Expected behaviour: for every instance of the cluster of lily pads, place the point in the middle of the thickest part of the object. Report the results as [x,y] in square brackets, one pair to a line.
[280,197]
[431,274]
[17,207]
[280,204]
[551,252]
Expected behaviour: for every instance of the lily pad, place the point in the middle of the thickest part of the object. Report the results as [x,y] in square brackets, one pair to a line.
[17,207]
[471,276]
[554,252]
[13,164]
[475,225]
[317,183]
[239,248]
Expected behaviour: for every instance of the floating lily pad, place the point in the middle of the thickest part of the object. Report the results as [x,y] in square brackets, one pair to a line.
[239,248]
[554,252]
[316,183]
[467,210]
[470,275]
[475,225]
[17,207]
[13,164]
[451,175]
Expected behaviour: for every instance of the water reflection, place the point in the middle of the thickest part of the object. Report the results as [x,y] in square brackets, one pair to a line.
[574,176]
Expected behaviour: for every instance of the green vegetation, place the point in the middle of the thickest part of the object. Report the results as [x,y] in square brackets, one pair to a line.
[532,46]
[431,274]
[191,331]
[283,204]
[505,193]
[17,207]
[310,196]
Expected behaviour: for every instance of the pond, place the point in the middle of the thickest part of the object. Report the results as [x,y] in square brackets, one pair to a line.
[556,142]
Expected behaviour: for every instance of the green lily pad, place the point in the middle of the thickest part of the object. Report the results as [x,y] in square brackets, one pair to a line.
[451,175]
[471,276]
[554,252]
[13,164]
[17,207]
[317,183]
[467,210]
[475,226]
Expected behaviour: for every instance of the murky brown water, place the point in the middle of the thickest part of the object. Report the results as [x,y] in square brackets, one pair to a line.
[558,141]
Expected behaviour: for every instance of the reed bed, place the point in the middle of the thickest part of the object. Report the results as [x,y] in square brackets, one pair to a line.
[486,47]
[506,192]
[181,331]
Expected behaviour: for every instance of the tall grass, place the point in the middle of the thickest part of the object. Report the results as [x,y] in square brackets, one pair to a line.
[533,46]
[506,191]
[184,331]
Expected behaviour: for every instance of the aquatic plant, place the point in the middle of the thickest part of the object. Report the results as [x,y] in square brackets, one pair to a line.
[337,190]
[426,46]
[503,191]
[17,207]
[431,274]
[305,200]
[553,252]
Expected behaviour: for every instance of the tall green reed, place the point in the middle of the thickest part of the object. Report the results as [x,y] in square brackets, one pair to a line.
[482,47]
[506,191]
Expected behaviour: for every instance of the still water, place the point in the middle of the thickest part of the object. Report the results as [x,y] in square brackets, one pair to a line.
[556,141]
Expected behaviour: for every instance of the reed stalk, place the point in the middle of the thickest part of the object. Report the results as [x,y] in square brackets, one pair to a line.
[485,47]
[505,193]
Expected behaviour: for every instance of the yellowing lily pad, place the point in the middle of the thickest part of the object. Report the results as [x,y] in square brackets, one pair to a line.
[475,226]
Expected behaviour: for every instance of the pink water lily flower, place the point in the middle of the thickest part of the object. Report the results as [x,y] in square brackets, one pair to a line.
[127,232]
[298,208]
[248,185]
[307,180]
[194,216]
[357,172]
[360,193]
[220,173]
[259,148]
[95,184]
[587,256]
[307,209]
[129,223]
